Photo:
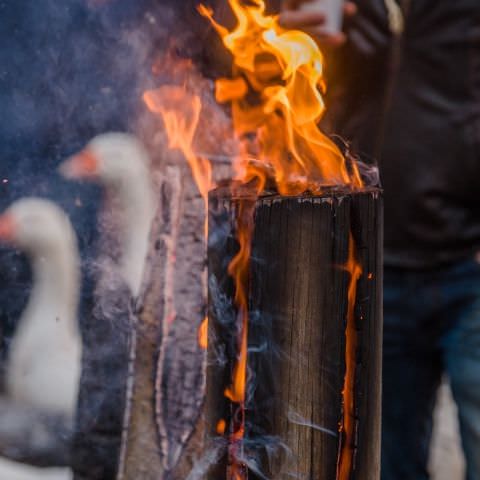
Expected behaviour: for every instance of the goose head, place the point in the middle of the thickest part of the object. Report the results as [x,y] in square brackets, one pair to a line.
[36,226]
[113,159]
[119,162]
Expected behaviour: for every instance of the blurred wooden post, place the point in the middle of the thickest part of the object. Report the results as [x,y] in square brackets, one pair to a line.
[163,430]
[297,330]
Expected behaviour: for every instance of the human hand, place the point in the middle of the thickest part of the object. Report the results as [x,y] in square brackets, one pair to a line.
[310,16]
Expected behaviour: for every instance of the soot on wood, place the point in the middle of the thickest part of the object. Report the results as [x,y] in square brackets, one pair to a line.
[298,306]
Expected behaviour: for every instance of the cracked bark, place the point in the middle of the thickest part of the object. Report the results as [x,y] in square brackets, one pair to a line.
[298,309]
[161,437]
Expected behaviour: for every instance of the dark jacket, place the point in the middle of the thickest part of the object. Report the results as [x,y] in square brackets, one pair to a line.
[428,142]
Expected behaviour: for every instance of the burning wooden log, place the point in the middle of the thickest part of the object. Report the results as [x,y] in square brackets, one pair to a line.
[163,429]
[312,396]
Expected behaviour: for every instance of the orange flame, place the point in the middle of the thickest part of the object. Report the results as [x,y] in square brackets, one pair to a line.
[221,426]
[277,95]
[276,98]
[239,270]
[347,428]
[203,334]
[180,111]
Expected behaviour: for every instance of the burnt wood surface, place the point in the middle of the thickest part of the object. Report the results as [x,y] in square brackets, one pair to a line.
[163,430]
[298,312]
[367,228]
[106,334]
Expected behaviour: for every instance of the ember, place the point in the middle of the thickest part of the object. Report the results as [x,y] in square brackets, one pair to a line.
[276,97]
[311,397]
[283,71]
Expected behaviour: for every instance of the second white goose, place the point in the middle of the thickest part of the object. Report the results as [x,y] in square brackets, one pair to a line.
[43,369]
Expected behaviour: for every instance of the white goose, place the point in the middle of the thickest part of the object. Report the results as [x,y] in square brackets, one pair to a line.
[120,162]
[44,364]
[43,369]
[175,253]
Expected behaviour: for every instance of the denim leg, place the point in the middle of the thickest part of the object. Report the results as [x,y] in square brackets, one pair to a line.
[412,368]
[462,354]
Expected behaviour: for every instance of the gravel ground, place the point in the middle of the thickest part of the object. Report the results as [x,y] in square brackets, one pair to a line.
[446,457]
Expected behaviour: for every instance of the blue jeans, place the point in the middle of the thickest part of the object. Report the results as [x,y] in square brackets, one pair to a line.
[432,326]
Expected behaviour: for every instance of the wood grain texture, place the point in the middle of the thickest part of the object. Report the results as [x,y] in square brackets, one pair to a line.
[106,324]
[180,378]
[161,438]
[367,228]
[298,307]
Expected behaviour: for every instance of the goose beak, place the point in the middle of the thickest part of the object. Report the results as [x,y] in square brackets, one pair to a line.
[83,165]
[7,228]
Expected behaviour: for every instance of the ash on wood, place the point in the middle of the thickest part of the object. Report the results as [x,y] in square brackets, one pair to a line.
[298,309]
[106,322]
[163,429]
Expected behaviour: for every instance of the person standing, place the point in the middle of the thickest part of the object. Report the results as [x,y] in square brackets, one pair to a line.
[405,90]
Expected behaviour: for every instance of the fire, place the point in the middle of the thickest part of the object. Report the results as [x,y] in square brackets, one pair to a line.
[276,93]
[221,426]
[276,98]
[203,334]
[239,270]
[347,428]
[180,111]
